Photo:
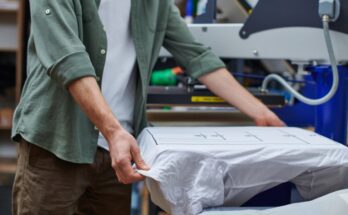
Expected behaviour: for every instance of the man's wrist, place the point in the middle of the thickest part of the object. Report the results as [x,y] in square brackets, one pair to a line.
[111,130]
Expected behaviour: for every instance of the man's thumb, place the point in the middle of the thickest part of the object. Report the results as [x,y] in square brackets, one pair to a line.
[138,160]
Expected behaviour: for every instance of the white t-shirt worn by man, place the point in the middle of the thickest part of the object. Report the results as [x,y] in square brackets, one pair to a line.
[119,79]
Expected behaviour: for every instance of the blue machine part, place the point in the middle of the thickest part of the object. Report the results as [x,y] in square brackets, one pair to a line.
[331,118]
[300,114]
[190,8]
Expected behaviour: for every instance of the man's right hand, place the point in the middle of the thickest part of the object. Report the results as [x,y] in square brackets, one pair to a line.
[123,150]
[123,147]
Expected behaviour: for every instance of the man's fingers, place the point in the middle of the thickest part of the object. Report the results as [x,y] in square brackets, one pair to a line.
[134,177]
[269,120]
[126,174]
[260,123]
[125,150]
[138,160]
[281,123]
[129,179]
[275,121]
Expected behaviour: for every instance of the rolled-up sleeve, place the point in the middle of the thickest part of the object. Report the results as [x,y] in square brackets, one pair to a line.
[193,56]
[55,31]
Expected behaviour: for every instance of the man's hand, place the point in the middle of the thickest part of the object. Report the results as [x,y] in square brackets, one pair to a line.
[124,149]
[268,119]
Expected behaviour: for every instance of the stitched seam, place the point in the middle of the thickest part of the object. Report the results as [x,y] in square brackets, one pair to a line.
[25,169]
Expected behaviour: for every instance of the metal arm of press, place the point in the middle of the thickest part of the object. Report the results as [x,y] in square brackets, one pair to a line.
[301,45]
[329,11]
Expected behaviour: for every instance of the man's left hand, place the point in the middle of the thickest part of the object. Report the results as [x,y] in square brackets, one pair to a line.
[268,118]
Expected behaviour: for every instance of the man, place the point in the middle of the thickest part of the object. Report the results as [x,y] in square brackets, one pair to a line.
[84,101]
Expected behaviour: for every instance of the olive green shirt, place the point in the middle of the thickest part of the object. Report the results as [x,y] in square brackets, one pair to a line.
[67,42]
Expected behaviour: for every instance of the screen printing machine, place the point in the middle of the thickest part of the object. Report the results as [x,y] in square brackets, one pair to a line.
[214,170]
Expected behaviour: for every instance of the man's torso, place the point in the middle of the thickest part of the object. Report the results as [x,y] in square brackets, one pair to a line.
[47,114]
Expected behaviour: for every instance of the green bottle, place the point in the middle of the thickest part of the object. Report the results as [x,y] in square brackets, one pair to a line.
[167,77]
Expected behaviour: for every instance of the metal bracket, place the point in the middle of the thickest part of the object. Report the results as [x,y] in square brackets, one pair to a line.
[273,14]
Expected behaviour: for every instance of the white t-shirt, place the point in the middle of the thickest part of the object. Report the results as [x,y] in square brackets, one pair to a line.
[119,79]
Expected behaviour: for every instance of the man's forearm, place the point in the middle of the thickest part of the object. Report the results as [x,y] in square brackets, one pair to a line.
[223,84]
[87,94]
[123,147]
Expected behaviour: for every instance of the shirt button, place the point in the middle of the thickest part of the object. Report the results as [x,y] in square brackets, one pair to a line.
[97,78]
[102,51]
[48,11]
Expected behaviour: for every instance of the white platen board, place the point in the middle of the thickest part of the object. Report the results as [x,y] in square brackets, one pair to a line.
[334,203]
[193,168]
